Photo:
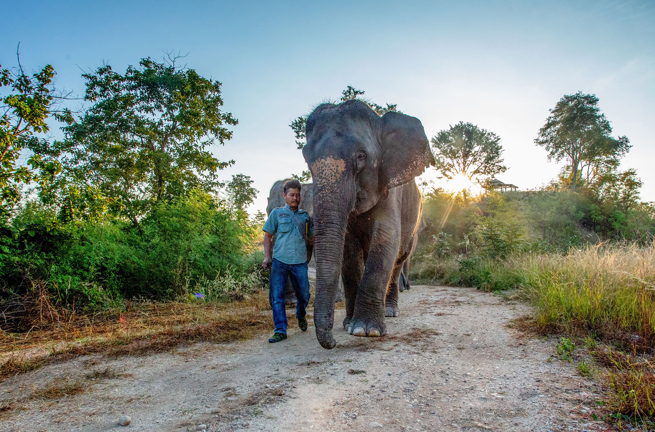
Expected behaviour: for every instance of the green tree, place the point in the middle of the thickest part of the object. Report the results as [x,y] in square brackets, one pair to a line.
[621,188]
[577,131]
[146,136]
[466,150]
[303,177]
[242,194]
[25,103]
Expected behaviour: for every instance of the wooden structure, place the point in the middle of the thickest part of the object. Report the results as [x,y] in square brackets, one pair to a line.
[496,184]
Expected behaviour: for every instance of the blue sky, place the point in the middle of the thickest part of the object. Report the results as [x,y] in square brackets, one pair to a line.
[500,65]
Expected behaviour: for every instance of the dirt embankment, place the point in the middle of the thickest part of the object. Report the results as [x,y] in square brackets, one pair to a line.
[450,362]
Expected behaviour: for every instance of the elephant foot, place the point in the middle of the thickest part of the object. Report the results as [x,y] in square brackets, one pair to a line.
[391,311]
[346,324]
[367,328]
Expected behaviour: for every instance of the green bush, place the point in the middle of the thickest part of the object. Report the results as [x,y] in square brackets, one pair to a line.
[95,264]
[486,274]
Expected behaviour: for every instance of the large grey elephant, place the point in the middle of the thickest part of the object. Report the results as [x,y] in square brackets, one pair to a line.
[367,208]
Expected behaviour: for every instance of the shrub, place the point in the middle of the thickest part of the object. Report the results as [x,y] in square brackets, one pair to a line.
[97,263]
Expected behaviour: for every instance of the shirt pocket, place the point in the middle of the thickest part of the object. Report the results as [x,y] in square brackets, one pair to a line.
[284,224]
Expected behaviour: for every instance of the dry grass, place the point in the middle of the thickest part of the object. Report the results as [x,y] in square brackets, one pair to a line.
[107,373]
[606,289]
[632,380]
[142,328]
[57,390]
[35,310]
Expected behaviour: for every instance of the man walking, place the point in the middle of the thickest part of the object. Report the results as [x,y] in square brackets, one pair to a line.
[293,230]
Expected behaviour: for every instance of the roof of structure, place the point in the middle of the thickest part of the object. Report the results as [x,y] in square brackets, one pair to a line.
[495,183]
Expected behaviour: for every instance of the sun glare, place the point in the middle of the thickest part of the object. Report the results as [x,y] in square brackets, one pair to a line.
[461,182]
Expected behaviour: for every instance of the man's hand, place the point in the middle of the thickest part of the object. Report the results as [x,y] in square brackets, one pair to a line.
[268,240]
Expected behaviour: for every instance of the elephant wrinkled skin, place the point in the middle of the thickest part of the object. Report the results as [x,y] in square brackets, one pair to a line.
[367,209]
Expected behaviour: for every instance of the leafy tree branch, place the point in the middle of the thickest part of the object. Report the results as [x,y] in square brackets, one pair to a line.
[146,137]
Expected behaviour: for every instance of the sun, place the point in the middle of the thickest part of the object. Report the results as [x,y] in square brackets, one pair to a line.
[460,182]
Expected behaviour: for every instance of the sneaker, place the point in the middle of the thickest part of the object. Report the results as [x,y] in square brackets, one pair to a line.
[277,337]
[302,323]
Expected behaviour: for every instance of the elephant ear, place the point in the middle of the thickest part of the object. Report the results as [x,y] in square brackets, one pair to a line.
[405,149]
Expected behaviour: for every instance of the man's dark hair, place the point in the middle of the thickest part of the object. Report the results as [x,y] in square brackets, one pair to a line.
[292,184]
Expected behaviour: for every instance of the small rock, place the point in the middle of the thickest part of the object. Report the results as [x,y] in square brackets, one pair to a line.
[201,427]
[375,425]
[125,420]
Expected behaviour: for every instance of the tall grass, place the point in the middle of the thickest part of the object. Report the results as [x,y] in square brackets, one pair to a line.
[608,289]
[605,289]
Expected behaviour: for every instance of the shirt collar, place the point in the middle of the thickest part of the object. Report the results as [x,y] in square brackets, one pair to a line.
[287,207]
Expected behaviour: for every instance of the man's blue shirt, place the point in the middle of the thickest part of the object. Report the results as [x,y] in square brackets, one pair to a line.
[289,244]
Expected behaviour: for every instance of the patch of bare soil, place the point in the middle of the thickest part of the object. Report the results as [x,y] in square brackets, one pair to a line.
[451,361]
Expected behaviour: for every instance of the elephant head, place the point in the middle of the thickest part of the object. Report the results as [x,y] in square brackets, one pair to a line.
[355,157]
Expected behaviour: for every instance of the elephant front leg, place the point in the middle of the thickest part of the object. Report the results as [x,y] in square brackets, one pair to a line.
[368,316]
[352,269]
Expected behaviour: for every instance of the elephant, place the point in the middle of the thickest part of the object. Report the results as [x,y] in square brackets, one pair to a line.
[367,209]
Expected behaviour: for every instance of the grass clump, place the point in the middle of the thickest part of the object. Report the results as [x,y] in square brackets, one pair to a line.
[590,342]
[600,293]
[584,368]
[585,260]
[632,379]
[100,374]
[58,390]
[565,349]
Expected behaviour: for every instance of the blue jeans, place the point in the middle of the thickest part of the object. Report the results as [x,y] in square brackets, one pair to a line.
[280,272]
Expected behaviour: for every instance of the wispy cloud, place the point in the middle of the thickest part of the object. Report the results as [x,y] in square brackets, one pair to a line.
[635,70]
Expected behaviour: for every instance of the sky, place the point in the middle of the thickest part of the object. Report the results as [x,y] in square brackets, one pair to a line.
[501,65]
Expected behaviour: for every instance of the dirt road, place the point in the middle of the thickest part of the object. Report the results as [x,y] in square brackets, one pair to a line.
[450,362]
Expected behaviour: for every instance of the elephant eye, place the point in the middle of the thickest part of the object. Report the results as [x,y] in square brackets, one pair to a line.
[361,161]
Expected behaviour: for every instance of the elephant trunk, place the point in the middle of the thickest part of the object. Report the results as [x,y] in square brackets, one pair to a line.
[331,219]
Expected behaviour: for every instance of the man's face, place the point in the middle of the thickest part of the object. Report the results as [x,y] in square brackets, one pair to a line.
[292,197]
